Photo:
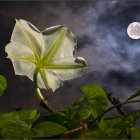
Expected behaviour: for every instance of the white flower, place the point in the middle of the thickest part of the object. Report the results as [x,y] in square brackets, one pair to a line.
[49,53]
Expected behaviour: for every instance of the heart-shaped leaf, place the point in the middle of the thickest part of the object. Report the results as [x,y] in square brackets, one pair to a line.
[95,99]
[14,129]
[47,129]
[27,116]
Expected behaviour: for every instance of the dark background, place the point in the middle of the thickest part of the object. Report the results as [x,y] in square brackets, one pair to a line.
[100,26]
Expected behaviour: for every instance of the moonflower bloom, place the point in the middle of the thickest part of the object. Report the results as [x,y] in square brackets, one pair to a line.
[49,53]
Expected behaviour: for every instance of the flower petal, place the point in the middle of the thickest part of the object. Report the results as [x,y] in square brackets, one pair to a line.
[22,60]
[53,81]
[26,44]
[72,67]
[25,35]
[60,70]
[62,64]
[50,53]
[65,47]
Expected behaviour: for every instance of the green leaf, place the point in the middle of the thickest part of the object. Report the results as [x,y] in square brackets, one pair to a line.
[112,123]
[135,133]
[134,95]
[121,122]
[27,116]
[72,118]
[78,102]
[69,111]
[3,84]
[47,129]
[108,133]
[83,114]
[95,98]
[58,117]
[17,124]
[14,129]
[132,117]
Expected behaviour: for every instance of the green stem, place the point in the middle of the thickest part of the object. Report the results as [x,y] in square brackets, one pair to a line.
[114,100]
[122,103]
[117,105]
[43,102]
[109,109]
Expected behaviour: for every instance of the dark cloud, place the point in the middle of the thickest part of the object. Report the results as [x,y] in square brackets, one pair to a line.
[123,78]
[78,6]
[100,27]
[84,41]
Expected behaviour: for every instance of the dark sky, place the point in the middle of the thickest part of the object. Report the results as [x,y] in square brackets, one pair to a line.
[100,27]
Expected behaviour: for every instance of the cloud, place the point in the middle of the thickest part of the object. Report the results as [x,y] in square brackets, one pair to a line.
[101,30]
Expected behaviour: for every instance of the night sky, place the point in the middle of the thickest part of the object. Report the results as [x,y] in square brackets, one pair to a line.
[101,30]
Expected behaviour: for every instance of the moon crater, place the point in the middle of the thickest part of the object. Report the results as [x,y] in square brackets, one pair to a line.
[133,30]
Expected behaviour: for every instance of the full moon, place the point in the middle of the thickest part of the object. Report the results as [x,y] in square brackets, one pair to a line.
[133,30]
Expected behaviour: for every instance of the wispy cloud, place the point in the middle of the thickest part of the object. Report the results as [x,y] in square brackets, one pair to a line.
[100,27]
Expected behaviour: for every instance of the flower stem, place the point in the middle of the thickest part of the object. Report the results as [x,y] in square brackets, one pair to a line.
[43,102]
[120,104]
[111,108]
[115,106]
